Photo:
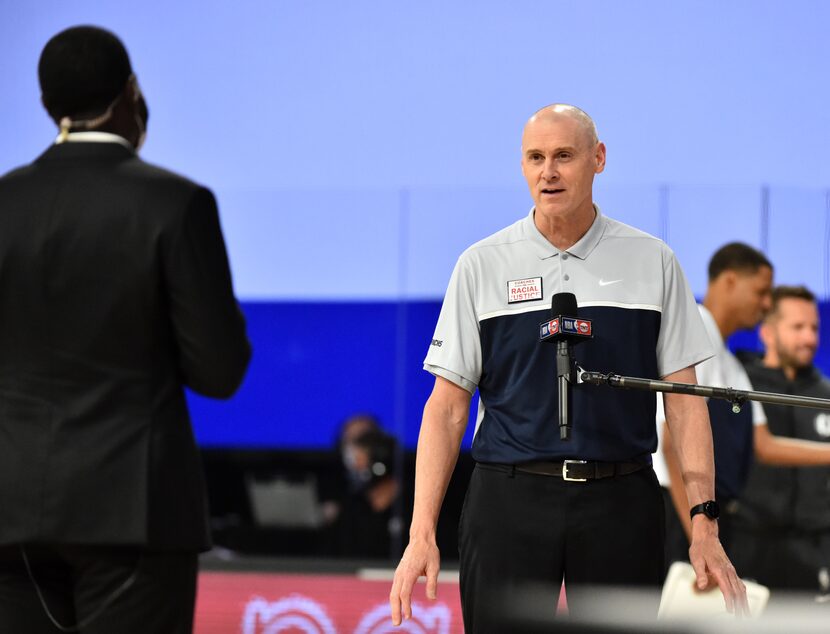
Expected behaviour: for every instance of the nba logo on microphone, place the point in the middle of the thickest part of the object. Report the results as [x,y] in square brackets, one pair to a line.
[549,328]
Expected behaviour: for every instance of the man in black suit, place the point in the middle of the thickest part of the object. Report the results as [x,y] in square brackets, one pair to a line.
[115,293]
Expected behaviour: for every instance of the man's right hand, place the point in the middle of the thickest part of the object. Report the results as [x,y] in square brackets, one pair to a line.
[421,558]
[442,428]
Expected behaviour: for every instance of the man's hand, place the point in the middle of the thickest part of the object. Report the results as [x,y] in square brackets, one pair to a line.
[420,558]
[445,418]
[710,562]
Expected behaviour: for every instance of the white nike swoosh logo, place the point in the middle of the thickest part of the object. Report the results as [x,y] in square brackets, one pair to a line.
[604,283]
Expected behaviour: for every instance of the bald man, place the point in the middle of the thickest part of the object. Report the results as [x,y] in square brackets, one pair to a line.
[539,509]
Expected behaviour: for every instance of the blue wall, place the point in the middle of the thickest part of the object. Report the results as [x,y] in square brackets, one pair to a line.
[317,362]
[357,148]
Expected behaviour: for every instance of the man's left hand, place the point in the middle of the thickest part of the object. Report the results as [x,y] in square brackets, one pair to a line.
[709,561]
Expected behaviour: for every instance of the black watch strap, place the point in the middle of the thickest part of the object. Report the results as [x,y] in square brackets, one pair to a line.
[710,509]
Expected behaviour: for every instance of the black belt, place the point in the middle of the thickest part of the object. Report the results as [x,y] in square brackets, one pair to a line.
[570,470]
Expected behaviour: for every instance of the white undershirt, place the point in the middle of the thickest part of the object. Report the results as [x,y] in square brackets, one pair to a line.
[94,136]
[722,370]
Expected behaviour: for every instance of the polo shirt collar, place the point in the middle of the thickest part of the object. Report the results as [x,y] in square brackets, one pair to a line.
[583,247]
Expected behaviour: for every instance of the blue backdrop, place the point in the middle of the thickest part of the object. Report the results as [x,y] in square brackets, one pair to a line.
[357,148]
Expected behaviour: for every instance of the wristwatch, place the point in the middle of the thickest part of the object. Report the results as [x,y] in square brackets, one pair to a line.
[710,509]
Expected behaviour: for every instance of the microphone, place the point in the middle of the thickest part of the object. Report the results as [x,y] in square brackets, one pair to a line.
[564,329]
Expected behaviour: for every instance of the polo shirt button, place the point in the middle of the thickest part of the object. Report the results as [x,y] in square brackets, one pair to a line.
[567,277]
[564,256]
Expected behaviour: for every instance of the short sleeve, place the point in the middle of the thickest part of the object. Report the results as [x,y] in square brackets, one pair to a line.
[455,350]
[658,462]
[743,382]
[660,416]
[683,340]
[759,417]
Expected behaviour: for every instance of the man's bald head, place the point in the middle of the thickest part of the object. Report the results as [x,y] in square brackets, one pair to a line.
[559,110]
[560,157]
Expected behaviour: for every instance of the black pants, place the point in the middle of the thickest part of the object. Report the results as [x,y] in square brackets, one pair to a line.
[140,591]
[519,532]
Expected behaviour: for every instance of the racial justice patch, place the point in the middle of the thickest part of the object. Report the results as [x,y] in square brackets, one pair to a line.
[525,290]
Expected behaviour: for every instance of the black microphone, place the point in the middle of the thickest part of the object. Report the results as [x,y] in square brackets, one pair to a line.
[565,329]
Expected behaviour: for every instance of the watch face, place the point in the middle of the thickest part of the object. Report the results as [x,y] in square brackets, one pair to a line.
[710,509]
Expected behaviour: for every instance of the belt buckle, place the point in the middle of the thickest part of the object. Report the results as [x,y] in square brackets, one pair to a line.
[565,471]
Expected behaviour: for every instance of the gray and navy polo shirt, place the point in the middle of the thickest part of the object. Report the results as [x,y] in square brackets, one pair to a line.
[645,323]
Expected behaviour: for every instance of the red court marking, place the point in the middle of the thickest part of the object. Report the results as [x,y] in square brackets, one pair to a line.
[261,603]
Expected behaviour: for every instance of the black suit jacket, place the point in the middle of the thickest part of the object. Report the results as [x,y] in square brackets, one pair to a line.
[115,293]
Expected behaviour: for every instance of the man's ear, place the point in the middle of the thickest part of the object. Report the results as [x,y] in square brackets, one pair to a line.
[730,280]
[599,157]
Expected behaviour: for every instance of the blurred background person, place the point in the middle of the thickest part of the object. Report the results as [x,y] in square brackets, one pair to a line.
[115,294]
[737,297]
[352,454]
[368,522]
[782,528]
[337,484]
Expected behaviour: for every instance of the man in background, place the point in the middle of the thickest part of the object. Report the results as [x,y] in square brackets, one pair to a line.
[738,296]
[115,294]
[367,525]
[783,522]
